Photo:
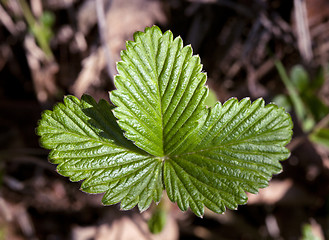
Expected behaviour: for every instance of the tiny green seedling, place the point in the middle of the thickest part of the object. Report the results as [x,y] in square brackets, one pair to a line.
[159,135]
[311,111]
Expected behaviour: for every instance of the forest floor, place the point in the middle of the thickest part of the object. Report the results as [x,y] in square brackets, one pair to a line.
[51,48]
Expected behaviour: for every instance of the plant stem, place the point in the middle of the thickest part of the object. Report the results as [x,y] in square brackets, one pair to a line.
[36,29]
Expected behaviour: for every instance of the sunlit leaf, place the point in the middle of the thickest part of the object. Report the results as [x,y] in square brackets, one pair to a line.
[161,135]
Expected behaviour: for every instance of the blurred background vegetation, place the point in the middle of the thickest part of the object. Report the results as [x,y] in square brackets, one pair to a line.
[275,49]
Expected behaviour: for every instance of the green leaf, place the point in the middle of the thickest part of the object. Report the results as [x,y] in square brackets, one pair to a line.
[88,144]
[302,112]
[308,93]
[160,91]
[161,135]
[282,101]
[157,221]
[236,148]
[299,78]
[211,99]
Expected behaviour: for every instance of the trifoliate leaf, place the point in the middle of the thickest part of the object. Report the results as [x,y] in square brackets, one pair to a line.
[162,135]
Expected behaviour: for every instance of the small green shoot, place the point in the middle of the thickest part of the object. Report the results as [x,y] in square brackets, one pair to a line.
[308,233]
[302,113]
[158,219]
[40,28]
[310,110]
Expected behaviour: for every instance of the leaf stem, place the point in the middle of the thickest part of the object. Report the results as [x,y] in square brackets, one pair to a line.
[296,100]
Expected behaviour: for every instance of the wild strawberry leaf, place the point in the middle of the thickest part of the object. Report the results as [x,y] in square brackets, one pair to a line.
[162,136]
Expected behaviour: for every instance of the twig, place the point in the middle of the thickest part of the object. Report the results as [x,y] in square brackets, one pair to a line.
[253,36]
[268,24]
[285,28]
[25,223]
[102,32]
[296,142]
[255,89]
[5,211]
[303,32]
[36,7]
[322,123]
[7,21]
[43,70]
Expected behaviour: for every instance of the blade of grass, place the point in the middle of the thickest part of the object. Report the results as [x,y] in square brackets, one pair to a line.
[296,100]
